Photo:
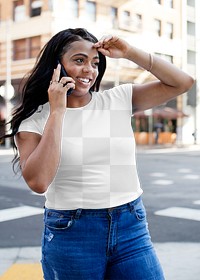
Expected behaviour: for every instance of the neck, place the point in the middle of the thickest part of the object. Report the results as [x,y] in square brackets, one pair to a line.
[74,101]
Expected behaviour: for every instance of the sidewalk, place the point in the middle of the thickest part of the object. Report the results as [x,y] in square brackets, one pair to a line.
[167,148]
[20,263]
[180,261]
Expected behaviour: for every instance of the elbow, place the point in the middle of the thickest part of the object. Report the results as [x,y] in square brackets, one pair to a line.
[188,83]
[38,188]
[36,185]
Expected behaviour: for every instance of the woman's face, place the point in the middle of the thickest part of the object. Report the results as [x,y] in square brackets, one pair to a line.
[81,63]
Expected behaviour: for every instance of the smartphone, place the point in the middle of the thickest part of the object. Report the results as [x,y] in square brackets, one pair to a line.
[63,73]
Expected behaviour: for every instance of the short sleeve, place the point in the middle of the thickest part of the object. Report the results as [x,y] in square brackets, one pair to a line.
[36,122]
[119,97]
[30,125]
[124,91]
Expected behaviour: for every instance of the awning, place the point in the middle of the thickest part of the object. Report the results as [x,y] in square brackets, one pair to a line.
[163,113]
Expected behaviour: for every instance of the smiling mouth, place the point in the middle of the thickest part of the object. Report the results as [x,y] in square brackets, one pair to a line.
[84,80]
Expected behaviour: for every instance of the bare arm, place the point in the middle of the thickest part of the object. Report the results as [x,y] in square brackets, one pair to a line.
[170,82]
[40,155]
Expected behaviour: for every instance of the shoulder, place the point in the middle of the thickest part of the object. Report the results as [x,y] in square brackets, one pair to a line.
[120,90]
[41,112]
[37,121]
[118,97]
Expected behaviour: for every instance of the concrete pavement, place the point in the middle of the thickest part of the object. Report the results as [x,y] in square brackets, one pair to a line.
[165,148]
[180,261]
[20,263]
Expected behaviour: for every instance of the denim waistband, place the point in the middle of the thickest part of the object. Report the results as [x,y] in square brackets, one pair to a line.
[124,207]
[97,212]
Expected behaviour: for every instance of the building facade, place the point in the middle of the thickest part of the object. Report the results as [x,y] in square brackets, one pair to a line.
[156,26]
[190,43]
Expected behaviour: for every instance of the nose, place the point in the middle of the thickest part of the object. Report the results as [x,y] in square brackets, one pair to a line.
[88,68]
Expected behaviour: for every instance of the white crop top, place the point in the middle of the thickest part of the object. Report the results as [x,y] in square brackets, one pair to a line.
[97,166]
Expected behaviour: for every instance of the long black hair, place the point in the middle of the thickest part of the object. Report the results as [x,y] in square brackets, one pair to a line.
[35,90]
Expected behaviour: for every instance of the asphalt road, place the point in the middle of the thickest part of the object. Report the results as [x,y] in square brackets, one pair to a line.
[169,179]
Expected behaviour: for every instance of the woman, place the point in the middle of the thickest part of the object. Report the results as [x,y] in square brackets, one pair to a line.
[79,150]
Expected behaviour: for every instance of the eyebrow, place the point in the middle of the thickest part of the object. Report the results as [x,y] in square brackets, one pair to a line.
[85,55]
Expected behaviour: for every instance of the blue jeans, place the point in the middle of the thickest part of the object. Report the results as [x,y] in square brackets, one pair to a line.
[102,244]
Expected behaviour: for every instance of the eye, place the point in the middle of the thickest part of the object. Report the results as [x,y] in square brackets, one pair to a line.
[79,60]
[96,64]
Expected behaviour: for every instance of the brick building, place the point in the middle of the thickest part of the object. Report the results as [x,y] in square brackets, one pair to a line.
[165,28]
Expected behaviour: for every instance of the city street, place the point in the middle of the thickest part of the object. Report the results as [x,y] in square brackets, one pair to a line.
[171,181]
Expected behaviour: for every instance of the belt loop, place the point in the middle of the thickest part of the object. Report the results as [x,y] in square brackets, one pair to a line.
[131,205]
[77,214]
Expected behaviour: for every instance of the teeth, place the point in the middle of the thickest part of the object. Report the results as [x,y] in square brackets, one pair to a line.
[84,80]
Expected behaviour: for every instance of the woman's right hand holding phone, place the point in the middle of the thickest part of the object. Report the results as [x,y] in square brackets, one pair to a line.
[57,90]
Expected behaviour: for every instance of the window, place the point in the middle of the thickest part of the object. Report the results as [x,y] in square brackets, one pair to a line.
[157,27]
[191,3]
[190,28]
[26,48]
[50,5]
[138,21]
[166,57]
[34,46]
[73,8]
[168,3]
[19,49]
[35,8]
[114,17]
[19,10]
[91,10]
[169,30]
[192,96]
[126,18]
[191,57]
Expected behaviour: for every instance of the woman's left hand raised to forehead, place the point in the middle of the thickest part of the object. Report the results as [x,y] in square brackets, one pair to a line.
[112,46]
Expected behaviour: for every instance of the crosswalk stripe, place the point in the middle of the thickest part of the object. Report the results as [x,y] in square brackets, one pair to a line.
[180,212]
[19,212]
[197,202]
[163,182]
